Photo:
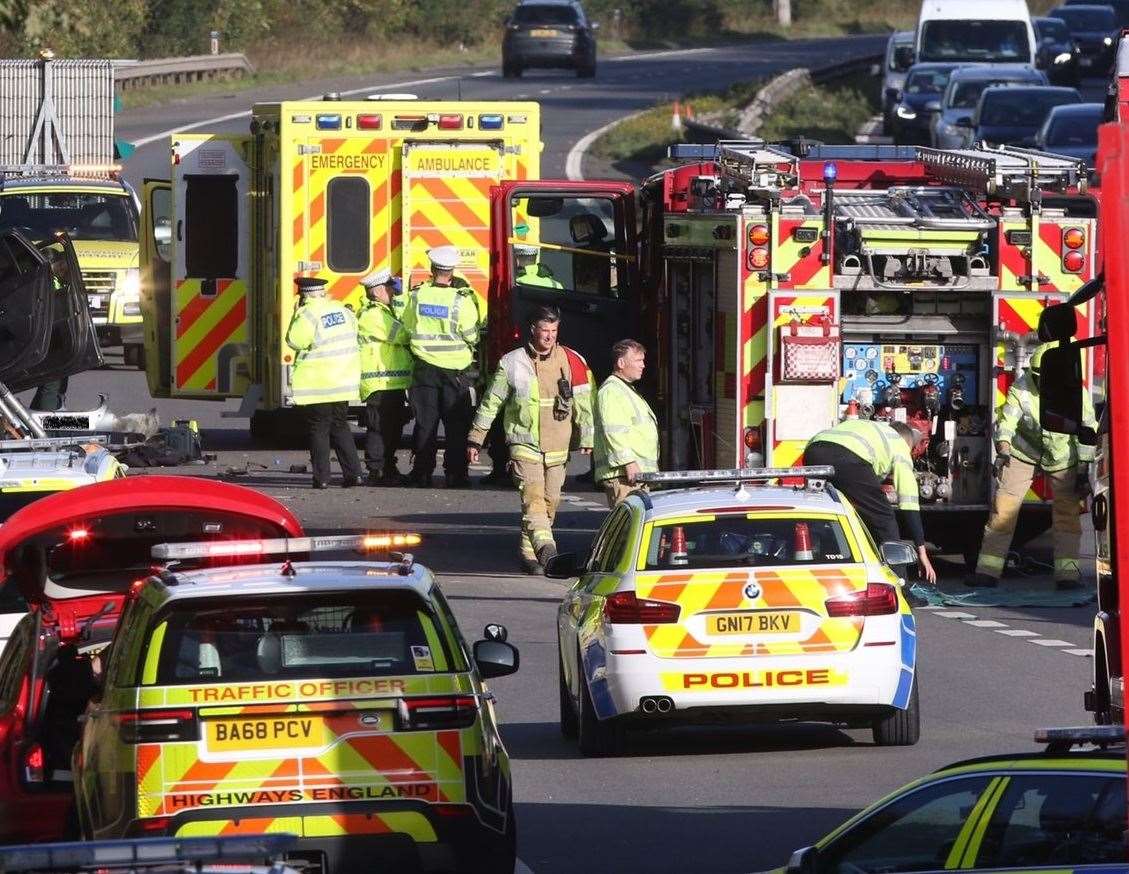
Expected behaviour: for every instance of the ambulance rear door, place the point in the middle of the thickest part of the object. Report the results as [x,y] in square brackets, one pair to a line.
[587,264]
[210,312]
[447,203]
[156,290]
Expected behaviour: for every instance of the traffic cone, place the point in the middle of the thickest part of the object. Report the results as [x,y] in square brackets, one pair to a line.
[689,111]
[676,117]
[802,536]
[852,409]
[678,556]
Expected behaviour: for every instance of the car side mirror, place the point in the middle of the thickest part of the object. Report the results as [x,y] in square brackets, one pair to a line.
[803,861]
[897,552]
[495,631]
[495,658]
[933,106]
[964,121]
[564,566]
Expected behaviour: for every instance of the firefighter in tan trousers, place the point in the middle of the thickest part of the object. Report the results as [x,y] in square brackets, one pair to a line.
[544,391]
[1022,447]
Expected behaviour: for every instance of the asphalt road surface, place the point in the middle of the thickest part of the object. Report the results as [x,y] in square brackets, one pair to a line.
[715,800]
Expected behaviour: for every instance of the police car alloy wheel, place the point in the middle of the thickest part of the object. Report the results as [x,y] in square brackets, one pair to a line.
[596,737]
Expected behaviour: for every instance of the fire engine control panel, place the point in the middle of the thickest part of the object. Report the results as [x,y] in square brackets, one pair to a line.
[874,371]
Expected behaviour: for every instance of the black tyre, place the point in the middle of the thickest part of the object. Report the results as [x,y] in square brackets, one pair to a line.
[902,728]
[511,71]
[569,724]
[596,737]
[500,856]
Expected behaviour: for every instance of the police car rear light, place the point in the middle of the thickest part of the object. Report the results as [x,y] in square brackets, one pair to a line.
[157,726]
[624,608]
[156,825]
[328,121]
[282,546]
[369,122]
[430,714]
[450,121]
[490,122]
[33,764]
[877,599]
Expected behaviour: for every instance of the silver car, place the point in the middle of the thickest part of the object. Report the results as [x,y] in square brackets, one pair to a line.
[952,123]
[899,58]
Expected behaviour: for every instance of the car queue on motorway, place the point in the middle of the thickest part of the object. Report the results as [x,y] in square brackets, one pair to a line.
[193,664]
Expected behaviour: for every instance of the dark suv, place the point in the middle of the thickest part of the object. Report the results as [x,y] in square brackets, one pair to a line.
[549,33]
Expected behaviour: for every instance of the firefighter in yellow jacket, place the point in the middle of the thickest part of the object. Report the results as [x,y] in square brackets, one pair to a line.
[544,391]
[1022,447]
[386,374]
[325,377]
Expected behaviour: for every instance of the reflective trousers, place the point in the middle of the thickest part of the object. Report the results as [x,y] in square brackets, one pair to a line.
[1066,526]
[540,486]
[617,488]
[385,417]
[438,395]
[328,425]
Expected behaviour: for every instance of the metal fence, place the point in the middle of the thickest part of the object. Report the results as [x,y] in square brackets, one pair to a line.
[176,71]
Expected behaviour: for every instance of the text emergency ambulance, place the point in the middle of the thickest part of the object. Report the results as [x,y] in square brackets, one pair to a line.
[332,189]
[334,700]
[57,174]
[779,292]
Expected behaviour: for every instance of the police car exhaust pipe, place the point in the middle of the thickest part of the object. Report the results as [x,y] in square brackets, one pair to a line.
[648,705]
[652,704]
[664,705]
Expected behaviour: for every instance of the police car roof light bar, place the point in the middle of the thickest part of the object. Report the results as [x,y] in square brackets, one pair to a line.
[1060,740]
[281,546]
[142,852]
[742,474]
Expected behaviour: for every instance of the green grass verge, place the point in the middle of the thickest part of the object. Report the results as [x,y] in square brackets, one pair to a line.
[831,113]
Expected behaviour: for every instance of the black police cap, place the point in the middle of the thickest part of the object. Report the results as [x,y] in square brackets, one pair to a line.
[310,283]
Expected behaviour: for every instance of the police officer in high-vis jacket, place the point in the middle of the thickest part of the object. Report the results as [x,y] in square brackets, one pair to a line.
[529,271]
[386,373]
[325,377]
[443,318]
[627,435]
[1022,447]
[544,392]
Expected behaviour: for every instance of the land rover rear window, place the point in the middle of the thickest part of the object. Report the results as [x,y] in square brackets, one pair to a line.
[739,541]
[324,635]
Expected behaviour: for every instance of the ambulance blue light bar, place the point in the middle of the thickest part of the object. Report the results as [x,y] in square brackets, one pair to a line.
[741,474]
[490,122]
[144,852]
[329,121]
[377,542]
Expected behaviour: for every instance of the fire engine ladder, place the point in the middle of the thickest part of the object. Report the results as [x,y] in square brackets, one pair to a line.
[1007,171]
[758,163]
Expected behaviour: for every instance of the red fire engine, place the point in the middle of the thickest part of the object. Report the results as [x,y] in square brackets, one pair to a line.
[780,290]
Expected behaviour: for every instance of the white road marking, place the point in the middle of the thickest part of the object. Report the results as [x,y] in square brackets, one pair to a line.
[1084,653]
[984,623]
[573,163]
[1017,632]
[1002,628]
[1046,641]
[545,91]
[953,614]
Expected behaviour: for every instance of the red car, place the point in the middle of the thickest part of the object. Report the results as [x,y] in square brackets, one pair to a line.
[73,556]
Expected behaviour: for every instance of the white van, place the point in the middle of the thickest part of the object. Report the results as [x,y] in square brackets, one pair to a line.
[975,31]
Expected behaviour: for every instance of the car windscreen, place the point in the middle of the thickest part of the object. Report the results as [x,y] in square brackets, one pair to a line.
[323,635]
[1054,28]
[965,95]
[746,541]
[927,81]
[84,216]
[526,14]
[1075,129]
[1079,18]
[958,40]
[1020,107]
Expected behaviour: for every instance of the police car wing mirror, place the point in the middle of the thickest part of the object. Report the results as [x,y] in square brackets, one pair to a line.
[495,631]
[563,566]
[897,552]
[803,861]
[495,658]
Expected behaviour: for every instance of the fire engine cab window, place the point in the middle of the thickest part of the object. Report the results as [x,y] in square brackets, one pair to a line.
[566,244]
[211,227]
[348,215]
[737,541]
[325,636]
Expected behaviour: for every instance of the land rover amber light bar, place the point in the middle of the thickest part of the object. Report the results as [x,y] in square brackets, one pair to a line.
[741,474]
[284,546]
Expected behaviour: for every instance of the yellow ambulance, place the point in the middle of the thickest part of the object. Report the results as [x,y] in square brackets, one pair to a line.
[328,188]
